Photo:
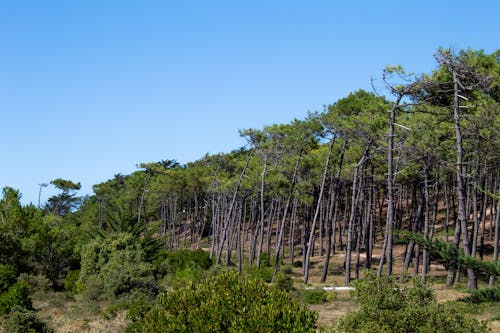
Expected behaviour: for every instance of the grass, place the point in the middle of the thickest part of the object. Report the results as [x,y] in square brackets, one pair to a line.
[67,314]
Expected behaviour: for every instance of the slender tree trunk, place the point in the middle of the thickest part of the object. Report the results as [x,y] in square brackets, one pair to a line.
[238,240]
[291,235]
[425,254]
[262,211]
[352,217]
[495,244]
[462,217]
[332,215]
[285,213]
[390,193]
[228,216]
[322,189]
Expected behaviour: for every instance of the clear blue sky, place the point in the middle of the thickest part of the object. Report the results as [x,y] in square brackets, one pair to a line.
[91,88]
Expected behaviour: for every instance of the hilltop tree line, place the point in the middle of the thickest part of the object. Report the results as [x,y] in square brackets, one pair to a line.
[421,155]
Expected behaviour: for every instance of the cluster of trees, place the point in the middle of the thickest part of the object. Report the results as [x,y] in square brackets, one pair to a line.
[365,167]
[424,158]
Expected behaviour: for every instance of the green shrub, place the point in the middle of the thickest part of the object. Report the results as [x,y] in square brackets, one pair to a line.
[70,281]
[264,273]
[265,260]
[227,303]
[138,306]
[283,282]
[287,269]
[186,277]
[36,283]
[93,288]
[171,261]
[17,295]
[113,267]
[387,308]
[315,296]
[21,320]
[483,295]
[7,277]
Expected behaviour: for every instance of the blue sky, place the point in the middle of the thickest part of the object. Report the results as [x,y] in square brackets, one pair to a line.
[91,88]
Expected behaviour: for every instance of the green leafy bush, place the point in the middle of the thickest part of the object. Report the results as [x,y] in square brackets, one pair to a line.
[16,295]
[112,267]
[315,296]
[483,295]
[186,277]
[139,306]
[7,277]
[387,308]
[264,273]
[36,283]
[283,282]
[171,261]
[227,303]
[265,260]
[70,281]
[21,320]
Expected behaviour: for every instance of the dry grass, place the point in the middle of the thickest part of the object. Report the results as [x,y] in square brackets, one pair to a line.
[68,315]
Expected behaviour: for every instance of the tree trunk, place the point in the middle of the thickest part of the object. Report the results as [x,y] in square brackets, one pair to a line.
[352,217]
[390,193]
[229,213]
[285,213]
[332,214]
[316,213]
[495,244]
[462,217]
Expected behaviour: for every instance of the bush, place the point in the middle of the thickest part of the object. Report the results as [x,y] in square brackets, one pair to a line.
[387,308]
[17,295]
[483,295]
[114,267]
[265,260]
[287,269]
[264,273]
[7,277]
[186,277]
[139,306]
[70,281]
[21,320]
[227,303]
[170,262]
[283,282]
[315,296]
[36,283]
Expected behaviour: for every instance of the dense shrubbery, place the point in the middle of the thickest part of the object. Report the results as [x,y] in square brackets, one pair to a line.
[16,295]
[227,302]
[264,273]
[283,282]
[113,266]
[387,308]
[315,296]
[483,295]
[21,320]
[185,258]
[70,281]
[7,277]
[37,283]
[167,262]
